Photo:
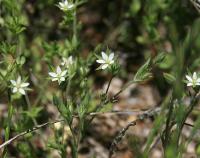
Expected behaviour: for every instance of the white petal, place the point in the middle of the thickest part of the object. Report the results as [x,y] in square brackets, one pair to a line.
[63,73]
[104,66]
[58,70]
[62,79]
[52,74]
[111,56]
[19,80]
[54,79]
[100,61]
[26,84]
[22,91]
[189,78]
[70,59]
[14,90]
[189,84]
[61,7]
[13,82]
[112,61]
[60,4]
[104,56]
[66,2]
[198,80]
[198,84]
[58,125]
[194,75]
[70,6]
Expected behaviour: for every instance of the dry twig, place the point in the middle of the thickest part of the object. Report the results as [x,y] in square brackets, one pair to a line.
[136,112]
[118,138]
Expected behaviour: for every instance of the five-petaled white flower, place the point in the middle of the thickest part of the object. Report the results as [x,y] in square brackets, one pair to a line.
[67,61]
[193,80]
[106,60]
[59,75]
[65,5]
[19,86]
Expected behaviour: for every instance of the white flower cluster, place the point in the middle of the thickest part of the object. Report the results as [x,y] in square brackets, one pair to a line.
[18,86]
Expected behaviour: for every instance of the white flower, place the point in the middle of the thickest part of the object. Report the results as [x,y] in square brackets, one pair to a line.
[19,86]
[59,75]
[193,80]
[106,60]
[67,61]
[65,5]
[57,125]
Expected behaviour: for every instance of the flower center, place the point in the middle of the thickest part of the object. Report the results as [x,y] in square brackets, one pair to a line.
[18,86]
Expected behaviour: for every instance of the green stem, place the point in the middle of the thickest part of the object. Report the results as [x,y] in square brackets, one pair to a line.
[26,98]
[18,47]
[67,90]
[63,127]
[109,85]
[103,103]
[168,126]
[27,101]
[74,143]
[123,88]
[74,151]
[10,113]
[41,93]
[75,22]
[194,101]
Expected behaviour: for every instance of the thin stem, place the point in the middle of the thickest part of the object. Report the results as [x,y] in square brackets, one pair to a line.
[10,113]
[191,107]
[118,138]
[67,90]
[109,85]
[101,105]
[63,127]
[195,5]
[0,8]
[123,88]
[75,22]
[27,101]
[167,128]
[74,143]
[18,46]
[29,107]
[1,75]
[41,94]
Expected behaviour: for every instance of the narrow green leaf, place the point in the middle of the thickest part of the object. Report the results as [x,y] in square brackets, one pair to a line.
[144,72]
[169,77]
